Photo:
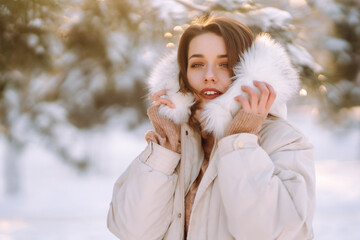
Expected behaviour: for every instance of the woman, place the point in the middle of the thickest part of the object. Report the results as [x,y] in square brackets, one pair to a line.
[222,162]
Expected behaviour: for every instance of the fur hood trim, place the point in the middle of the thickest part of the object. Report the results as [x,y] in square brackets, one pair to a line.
[266,60]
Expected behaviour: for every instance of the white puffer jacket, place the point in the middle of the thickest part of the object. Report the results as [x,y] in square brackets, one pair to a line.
[252,189]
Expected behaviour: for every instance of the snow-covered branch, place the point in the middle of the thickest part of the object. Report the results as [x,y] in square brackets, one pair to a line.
[194,6]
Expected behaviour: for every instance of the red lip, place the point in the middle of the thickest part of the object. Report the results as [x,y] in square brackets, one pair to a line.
[218,93]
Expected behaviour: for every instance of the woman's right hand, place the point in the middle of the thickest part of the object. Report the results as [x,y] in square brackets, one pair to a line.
[167,133]
[157,99]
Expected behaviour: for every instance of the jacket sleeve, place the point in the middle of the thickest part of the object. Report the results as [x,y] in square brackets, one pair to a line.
[142,201]
[268,194]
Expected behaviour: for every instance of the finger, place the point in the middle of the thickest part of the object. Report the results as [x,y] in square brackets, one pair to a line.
[244,103]
[155,96]
[165,102]
[253,95]
[272,97]
[264,95]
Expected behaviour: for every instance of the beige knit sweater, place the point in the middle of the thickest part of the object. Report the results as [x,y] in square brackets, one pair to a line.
[167,134]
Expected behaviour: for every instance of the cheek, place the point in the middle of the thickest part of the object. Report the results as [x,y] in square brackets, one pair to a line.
[194,78]
[225,79]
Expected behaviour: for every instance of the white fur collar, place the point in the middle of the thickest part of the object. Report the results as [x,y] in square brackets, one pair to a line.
[266,60]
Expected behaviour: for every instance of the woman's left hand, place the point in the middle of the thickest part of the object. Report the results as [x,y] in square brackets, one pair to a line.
[254,110]
[257,104]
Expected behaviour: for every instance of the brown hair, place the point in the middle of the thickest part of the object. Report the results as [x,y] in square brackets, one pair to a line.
[236,35]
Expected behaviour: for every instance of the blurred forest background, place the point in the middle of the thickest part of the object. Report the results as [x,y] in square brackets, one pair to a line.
[67,66]
[73,100]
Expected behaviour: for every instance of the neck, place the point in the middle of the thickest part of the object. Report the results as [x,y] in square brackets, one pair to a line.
[207,142]
[197,114]
[197,110]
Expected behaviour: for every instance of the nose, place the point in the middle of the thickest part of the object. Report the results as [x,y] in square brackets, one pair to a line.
[210,75]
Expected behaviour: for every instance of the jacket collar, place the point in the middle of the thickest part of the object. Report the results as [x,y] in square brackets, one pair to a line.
[266,60]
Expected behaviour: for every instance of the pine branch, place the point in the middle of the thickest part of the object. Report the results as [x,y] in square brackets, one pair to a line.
[194,6]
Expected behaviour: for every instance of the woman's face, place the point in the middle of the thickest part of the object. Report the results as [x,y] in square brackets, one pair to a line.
[207,69]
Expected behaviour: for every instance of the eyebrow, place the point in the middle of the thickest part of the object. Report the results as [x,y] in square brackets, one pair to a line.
[201,56]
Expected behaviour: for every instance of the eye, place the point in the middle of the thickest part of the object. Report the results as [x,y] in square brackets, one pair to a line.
[196,65]
[224,65]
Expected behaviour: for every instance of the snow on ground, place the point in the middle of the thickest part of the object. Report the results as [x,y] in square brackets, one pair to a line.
[337,163]
[58,203]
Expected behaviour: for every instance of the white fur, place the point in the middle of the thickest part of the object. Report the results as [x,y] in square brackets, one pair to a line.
[265,61]
[165,76]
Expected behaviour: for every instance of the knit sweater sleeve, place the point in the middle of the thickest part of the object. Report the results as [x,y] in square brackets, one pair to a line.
[245,122]
[166,133]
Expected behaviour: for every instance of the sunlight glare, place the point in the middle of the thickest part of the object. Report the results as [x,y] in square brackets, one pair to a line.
[303,92]
[297,3]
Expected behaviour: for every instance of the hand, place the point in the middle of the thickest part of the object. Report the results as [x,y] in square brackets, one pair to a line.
[156,99]
[257,104]
[254,111]
[167,133]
